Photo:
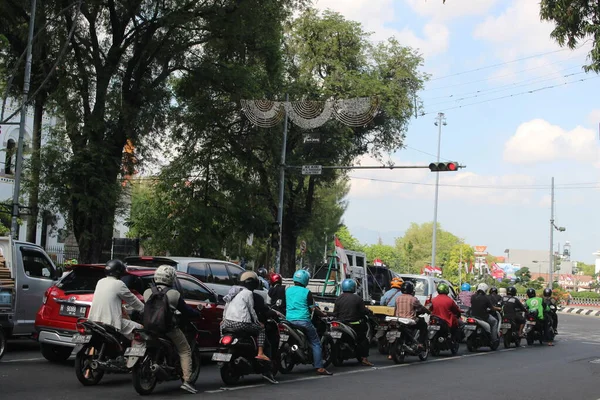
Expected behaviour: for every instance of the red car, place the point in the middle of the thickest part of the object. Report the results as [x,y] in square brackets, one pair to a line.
[71,298]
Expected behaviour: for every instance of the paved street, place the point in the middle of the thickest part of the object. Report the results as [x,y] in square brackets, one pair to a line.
[566,371]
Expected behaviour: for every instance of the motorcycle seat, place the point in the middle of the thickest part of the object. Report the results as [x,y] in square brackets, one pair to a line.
[405,321]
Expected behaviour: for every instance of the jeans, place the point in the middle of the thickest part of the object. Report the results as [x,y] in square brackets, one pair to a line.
[313,337]
[493,327]
[184,350]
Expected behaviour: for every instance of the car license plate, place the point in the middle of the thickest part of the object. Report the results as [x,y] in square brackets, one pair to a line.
[505,326]
[81,338]
[336,334]
[135,351]
[223,357]
[530,322]
[283,338]
[72,310]
[470,327]
[434,327]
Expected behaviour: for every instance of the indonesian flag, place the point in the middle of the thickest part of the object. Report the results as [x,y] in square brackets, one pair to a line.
[437,270]
[569,278]
[377,262]
[341,255]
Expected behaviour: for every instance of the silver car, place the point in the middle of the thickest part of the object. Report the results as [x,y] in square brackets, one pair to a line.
[426,286]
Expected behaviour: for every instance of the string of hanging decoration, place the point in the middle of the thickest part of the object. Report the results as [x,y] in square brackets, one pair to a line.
[308,114]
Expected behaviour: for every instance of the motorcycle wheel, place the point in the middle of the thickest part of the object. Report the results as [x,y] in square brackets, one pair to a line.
[382,346]
[423,355]
[518,341]
[529,340]
[144,380]
[455,348]
[494,345]
[2,343]
[83,363]
[507,341]
[328,351]
[337,356]
[228,374]
[435,351]
[398,351]
[471,344]
[286,360]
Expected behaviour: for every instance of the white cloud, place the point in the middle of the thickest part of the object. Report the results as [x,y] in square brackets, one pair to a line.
[594,118]
[451,10]
[539,141]
[377,16]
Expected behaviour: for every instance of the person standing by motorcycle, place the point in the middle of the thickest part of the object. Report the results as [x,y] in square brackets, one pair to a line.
[389,297]
[277,293]
[299,306]
[512,308]
[444,307]
[465,295]
[551,301]
[164,278]
[482,307]
[109,295]
[537,303]
[408,306]
[351,310]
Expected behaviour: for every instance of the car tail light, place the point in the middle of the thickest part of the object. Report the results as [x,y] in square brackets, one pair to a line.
[335,324]
[471,320]
[226,340]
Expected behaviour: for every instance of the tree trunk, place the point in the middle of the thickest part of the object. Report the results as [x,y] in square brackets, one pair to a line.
[32,221]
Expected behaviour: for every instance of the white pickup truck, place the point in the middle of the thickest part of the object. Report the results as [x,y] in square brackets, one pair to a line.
[26,271]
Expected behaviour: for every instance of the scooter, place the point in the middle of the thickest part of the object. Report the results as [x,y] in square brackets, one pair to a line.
[440,337]
[478,334]
[294,346]
[510,332]
[403,338]
[534,328]
[344,343]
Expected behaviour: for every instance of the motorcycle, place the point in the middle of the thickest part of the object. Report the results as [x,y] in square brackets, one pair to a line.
[344,343]
[478,334]
[403,339]
[99,348]
[380,337]
[236,356]
[553,310]
[440,336]
[294,346]
[510,332]
[534,328]
[154,359]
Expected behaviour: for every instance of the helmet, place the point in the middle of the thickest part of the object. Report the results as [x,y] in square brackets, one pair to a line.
[482,287]
[348,286]
[262,272]
[275,278]
[465,287]
[302,277]
[494,289]
[408,288]
[396,283]
[115,268]
[512,291]
[249,280]
[443,288]
[547,292]
[165,275]
[530,293]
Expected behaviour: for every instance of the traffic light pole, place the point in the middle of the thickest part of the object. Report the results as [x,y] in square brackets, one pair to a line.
[441,120]
[551,259]
[281,189]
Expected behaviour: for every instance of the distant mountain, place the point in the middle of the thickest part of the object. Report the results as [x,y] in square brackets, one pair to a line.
[369,236]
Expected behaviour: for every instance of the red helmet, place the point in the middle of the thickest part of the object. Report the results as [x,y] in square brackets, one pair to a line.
[275,278]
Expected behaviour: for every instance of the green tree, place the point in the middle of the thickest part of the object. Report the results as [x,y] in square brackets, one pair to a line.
[386,253]
[458,252]
[586,269]
[348,241]
[523,275]
[576,22]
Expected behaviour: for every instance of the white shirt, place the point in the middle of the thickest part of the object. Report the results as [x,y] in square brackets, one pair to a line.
[108,297]
[241,308]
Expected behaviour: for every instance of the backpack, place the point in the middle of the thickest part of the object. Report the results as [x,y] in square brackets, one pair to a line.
[158,316]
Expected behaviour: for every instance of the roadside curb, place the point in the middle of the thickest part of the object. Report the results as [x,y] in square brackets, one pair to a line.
[580,311]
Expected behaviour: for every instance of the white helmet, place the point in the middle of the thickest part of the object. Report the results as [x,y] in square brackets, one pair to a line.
[165,275]
[483,286]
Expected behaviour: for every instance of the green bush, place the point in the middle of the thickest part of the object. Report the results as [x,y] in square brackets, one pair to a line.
[585,295]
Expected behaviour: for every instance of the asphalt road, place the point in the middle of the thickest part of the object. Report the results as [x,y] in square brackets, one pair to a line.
[569,370]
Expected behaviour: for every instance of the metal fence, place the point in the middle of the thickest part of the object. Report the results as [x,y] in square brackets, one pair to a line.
[121,248]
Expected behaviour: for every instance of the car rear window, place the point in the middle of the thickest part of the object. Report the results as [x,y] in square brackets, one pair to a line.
[421,285]
[81,280]
[150,262]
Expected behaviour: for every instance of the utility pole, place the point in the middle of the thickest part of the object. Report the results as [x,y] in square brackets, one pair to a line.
[281,189]
[441,120]
[551,261]
[14,226]
[460,267]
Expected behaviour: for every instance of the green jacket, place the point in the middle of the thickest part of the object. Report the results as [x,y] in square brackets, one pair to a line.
[536,303]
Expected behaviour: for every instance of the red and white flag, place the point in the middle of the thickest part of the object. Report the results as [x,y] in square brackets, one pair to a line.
[341,256]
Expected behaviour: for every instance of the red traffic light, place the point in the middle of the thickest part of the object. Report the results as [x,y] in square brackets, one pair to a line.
[452,166]
[444,166]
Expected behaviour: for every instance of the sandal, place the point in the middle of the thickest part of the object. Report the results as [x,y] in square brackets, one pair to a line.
[263,358]
[323,371]
[367,363]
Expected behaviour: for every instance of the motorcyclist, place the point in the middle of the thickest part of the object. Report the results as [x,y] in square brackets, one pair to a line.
[299,306]
[109,295]
[264,312]
[444,307]
[465,294]
[263,275]
[482,307]
[536,303]
[495,298]
[240,314]
[277,293]
[512,308]
[548,301]
[164,278]
[389,297]
[408,306]
[351,310]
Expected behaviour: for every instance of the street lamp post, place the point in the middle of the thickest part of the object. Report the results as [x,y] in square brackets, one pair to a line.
[441,120]
[552,228]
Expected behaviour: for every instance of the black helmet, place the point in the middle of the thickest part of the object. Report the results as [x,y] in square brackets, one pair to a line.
[547,292]
[512,291]
[249,280]
[494,290]
[407,288]
[115,268]
[530,293]
[262,272]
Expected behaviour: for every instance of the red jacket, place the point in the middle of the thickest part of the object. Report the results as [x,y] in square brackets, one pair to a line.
[444,307]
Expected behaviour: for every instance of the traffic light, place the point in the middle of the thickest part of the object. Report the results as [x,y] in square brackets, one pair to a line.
[443,166]
[275,236]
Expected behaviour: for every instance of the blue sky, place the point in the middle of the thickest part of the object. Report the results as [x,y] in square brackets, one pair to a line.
[478,51]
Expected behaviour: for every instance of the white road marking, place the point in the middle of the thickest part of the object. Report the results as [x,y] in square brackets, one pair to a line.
[23,360]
